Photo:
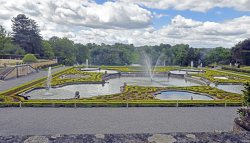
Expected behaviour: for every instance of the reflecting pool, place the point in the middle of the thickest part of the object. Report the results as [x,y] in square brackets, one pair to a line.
[231,88]
[181,95]
[111,87]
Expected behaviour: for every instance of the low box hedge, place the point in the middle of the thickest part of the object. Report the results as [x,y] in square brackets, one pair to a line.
[194,103]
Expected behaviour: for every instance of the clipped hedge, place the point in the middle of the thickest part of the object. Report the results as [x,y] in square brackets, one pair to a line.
[194,103]
[147,93]
[29,58]
[11,93]
[139,69]
[92,77]
[233,78]
[237,69]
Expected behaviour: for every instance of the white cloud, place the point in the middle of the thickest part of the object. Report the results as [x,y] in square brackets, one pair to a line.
[80,12]
[85,21]
[194,5]
[180,30]
[156,15]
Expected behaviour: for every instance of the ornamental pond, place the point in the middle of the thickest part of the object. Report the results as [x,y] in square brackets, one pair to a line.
[112,86]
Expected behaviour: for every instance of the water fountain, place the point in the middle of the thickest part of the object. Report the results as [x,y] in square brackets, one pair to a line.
[192,64]
[48,83]
[87,63]
[87,69]
[148,65]
[149,68]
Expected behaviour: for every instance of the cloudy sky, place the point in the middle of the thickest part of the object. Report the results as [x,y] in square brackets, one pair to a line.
[199,23]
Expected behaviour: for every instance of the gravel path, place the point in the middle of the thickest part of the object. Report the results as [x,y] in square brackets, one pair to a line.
[4,85]
[41,121]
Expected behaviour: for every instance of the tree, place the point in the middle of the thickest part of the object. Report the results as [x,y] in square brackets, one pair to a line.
[82,53]
[29,58]
[180,53]
[218,55]
[246,93]
[193,55]
[241,52]
[26,34]
[4,38]
[13,49]
[47,51]
[64,50]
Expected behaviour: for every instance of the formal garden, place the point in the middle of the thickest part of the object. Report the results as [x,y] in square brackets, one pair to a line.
[125,71]
[119,74]
[128,93]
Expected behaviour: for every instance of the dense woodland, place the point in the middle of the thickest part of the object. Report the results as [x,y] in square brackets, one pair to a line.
[25,38]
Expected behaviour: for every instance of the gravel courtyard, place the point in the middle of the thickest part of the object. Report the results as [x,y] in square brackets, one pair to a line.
[43,121]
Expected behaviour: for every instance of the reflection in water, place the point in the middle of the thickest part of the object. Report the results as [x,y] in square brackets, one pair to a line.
[111,87]
[103,71]
[231,88]
[178,95]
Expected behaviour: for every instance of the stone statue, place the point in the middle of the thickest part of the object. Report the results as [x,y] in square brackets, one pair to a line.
[77,95]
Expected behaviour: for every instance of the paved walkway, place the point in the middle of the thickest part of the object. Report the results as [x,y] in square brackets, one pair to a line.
[4,85]
[41,121]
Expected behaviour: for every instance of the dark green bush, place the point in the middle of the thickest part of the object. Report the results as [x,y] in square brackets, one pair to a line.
[29,58]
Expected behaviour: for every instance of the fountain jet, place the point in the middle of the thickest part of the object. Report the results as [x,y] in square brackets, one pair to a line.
[49,78]
[192,64]
[87,63]
[149,68]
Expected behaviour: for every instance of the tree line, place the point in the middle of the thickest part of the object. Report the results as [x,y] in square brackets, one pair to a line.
[25,38]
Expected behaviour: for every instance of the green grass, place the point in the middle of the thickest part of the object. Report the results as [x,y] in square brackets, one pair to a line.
[91,77]
[10,94]
[233,78]
[246,68]
[236,72]
[135,95]
[154,103]
[139,69]
[122,68]
[147,93]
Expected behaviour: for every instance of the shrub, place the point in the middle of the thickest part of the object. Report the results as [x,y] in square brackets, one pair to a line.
[246,93]
[29,58]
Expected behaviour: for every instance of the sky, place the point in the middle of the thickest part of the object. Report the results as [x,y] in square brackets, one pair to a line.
[199,23]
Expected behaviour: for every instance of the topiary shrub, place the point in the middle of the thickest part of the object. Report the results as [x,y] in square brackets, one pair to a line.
[29,58]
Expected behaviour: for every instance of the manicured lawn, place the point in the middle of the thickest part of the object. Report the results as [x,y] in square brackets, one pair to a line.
[89,77]
[146,93]
[232,78]
[139,69]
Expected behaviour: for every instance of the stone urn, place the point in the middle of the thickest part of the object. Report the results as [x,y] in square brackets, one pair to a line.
[242,123]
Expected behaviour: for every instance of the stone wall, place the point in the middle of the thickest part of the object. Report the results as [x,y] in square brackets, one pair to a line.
[9,62]
[43,63]
[18,71]
[212,137]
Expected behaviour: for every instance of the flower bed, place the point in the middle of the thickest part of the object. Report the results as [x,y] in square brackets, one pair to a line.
[139,69]
[134,95]
[232,78]
[147,93]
